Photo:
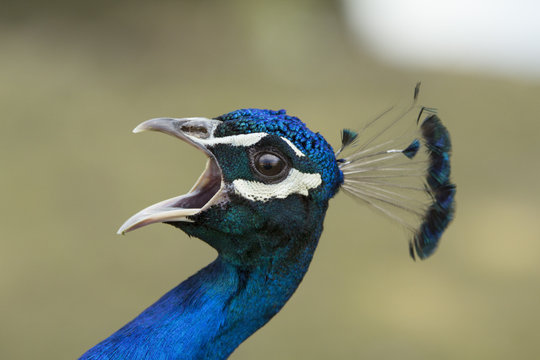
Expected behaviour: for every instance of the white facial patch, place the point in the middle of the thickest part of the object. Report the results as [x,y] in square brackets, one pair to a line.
[292,146]
[295,183]
[233,140]
[241,140]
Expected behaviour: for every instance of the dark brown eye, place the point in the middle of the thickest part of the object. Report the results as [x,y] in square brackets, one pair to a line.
[268,164]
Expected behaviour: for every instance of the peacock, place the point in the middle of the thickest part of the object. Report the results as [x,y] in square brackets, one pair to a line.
[261,202]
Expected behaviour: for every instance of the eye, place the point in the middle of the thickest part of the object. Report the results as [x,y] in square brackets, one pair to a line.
[270,165]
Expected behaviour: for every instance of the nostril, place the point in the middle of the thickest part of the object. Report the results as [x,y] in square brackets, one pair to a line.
[198,131]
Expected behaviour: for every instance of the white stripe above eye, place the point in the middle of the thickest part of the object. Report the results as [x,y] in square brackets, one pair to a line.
[295,183]
[244,140]
[234,140]
[292,146]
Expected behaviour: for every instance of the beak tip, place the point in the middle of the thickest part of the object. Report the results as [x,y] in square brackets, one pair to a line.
[138,129]
[122,231]
[152,124]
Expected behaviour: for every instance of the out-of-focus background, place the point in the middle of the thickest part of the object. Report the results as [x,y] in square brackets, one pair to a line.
[76,77]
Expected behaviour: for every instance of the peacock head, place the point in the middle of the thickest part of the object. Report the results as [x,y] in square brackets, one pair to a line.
[267,183]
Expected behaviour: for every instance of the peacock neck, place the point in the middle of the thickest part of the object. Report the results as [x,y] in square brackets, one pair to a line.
[212,312]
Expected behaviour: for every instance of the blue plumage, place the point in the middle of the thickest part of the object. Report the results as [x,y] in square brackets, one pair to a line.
[348,137]
[412,149]
[261,203]
[441,212]
[279,123]
[264,245]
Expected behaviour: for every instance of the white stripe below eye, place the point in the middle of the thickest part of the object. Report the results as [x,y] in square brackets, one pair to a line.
[233,140]
[292,146]
[295,183]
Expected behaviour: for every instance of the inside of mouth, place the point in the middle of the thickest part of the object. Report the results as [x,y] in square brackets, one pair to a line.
[206,187]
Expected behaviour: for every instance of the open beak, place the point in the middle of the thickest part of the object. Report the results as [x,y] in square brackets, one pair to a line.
[206,190]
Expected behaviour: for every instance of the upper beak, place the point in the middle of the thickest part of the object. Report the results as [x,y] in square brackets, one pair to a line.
[206,189]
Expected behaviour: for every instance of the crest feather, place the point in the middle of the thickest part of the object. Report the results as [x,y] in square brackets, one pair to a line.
[402,169]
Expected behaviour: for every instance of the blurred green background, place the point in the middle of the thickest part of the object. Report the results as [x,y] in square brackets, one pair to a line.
[76,77]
